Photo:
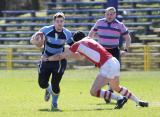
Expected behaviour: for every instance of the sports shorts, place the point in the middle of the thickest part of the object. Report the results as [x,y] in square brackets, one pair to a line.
[110,68]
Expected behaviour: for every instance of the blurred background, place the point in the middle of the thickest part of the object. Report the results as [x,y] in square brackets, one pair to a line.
[20,19]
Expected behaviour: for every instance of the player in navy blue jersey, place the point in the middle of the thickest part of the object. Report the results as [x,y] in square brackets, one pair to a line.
[55,37]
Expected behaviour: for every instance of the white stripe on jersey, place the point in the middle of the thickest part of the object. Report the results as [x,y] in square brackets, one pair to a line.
[90,53]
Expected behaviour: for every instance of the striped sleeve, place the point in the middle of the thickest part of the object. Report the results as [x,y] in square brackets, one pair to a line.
[95,27]
[124,29]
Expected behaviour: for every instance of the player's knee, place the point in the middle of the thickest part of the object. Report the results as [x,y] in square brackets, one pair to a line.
[42,84]
[93,93]
[56,89]
[115,88]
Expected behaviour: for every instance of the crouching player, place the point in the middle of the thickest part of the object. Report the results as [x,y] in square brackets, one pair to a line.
[109,69]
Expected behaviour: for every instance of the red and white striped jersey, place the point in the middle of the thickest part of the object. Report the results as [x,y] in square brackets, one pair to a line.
[92,51]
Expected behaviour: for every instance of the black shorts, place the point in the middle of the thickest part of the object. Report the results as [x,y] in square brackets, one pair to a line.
[54,68]
[115,52]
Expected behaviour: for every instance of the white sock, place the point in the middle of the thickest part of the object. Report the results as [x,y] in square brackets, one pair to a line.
[107,95]
[49,89]
[116,97]
[124,91]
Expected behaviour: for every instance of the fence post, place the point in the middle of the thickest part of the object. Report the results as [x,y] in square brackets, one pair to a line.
[146,58]
[9,58]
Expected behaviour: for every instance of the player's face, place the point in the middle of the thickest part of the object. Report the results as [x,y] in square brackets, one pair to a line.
[59,23]
[110,15]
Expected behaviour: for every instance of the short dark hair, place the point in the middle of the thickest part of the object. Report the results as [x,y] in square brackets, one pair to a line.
[59,15]
[78,36]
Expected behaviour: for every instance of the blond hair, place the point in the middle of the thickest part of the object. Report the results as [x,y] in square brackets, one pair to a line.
[110,9]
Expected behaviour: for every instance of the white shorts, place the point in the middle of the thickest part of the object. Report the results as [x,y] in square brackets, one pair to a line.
[110,68]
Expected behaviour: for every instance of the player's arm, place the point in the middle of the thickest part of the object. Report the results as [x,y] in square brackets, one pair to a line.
[127,41]
[92,33]
[127,45]
[76,56]
[67,54]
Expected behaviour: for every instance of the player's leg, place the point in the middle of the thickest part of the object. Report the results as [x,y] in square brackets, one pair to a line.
[125,92]
[56,78]
[55,81]
[43,79]
[115,53]
[110,69]
[97,90]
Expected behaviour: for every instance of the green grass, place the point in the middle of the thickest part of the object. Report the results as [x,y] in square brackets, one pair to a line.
[20,95]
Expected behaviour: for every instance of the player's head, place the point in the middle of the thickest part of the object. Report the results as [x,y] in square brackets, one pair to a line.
[78,36]
[59,20]
[110,14]
[59,15]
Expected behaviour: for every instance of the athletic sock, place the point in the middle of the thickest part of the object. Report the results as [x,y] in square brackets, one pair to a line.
[54,100]
[107,95]
[49,89]
[125,92]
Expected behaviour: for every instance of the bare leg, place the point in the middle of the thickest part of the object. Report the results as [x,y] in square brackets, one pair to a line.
[96,90]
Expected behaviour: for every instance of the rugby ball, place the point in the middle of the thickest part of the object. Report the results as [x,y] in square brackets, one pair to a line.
[39,38]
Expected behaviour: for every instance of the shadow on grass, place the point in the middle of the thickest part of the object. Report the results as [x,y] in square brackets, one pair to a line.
[82,109]
[94,109]
[111,103]
[48,110]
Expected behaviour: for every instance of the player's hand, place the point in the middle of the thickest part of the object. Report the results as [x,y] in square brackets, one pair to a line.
[44,58]
[38,39]
[123,53]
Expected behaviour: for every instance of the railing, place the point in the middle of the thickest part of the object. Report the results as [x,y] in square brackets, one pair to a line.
[140,57]
[144,57]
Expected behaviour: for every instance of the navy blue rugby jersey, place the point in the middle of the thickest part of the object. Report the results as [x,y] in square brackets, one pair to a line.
[55,41]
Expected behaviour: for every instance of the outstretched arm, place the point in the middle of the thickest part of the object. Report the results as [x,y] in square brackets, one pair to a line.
[92,34]
[67,54]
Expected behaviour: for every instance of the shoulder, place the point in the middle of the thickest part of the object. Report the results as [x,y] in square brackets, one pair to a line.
[101,20]
[67,32]
[46,29]
[118,22]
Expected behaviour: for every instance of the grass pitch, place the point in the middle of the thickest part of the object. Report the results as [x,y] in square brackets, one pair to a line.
[20,95]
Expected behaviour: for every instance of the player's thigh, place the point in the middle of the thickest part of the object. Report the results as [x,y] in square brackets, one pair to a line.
[110,68]
[56,77]
[58,73]
[43,74]
[114,83]
[98,83]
